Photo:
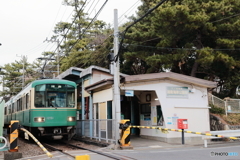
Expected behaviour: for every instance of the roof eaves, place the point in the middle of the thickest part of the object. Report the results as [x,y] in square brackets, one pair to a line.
[69,71]
[170,76]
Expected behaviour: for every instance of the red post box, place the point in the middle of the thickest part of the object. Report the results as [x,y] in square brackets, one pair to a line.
[182,124]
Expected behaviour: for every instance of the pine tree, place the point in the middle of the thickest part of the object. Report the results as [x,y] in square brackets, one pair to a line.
[199,38]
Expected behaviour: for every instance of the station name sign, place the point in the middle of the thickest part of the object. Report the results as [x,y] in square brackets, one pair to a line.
[129,93]
[177,92]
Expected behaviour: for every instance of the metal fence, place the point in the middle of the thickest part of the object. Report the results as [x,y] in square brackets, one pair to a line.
[229,105]
[99,129]
[216,101]
[233,105]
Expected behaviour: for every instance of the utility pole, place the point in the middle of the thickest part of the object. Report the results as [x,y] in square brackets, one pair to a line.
[58,50]
[2,74]
[116,90]
[24,61]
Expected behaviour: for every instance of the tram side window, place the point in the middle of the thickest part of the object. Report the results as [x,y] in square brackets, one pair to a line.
[23,102]
[12,110]
[29,100]
[20,104]
[9,109]
[15,107]
[39,98]
[26,100]
[70,96]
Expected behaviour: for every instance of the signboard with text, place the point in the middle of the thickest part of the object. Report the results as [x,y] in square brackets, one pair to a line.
[129,93]
[177,92]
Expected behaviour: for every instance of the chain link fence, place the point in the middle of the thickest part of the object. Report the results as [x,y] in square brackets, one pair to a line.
[228,104]
[233,105]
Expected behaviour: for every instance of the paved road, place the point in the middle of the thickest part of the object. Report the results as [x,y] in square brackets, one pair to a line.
[217,152]
[157,152]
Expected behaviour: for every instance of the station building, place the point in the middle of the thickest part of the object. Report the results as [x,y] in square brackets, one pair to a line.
[156,99]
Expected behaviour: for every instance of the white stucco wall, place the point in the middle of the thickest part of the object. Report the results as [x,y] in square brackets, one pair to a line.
[194,107]
[98,75]
[103,96]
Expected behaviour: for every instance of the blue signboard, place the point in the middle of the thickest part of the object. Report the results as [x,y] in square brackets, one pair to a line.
[129,93]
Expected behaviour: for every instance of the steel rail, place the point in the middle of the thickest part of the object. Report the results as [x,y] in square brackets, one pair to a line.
[56,149]
[101,153]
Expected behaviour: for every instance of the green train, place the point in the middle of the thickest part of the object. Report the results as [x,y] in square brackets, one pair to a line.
[45,107]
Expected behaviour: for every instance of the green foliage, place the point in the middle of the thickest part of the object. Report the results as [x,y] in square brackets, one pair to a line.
[216,110]
[198,38]
[81,39]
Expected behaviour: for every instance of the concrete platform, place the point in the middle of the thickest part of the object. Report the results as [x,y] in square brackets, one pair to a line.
[1,155]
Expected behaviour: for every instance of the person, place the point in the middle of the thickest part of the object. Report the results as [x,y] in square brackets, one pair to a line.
[52,102]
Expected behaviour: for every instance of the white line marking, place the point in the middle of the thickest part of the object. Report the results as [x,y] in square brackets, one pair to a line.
[192,149]
[156,146]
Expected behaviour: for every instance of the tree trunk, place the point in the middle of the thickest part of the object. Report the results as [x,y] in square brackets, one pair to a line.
[194,69]
[199,45]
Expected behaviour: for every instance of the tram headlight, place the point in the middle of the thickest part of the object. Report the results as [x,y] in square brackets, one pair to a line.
[39,119]
[71,119]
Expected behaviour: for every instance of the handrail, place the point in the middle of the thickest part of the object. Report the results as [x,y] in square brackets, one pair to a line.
[39,144]
[5,142]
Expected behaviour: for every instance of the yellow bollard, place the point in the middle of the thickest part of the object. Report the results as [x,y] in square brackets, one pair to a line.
[13,136]
[82,157]
[125,134]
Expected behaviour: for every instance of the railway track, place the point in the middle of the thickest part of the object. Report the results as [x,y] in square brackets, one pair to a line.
[53,148]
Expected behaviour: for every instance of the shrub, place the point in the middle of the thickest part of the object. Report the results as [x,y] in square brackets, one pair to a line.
[216,110]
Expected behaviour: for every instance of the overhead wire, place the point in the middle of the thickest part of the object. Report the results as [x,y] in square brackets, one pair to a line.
[68,16]
[139,19]
[55,19]
[90,6]
[80,10]
[226,18]
[93,8]
[88,26]
[171,48]
[41,45]
[129,10]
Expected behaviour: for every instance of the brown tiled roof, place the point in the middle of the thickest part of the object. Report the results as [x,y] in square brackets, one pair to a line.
[106,83]
[170,76]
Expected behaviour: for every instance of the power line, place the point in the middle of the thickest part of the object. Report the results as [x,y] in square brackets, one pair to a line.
[90,6]
[88,26]
[193,49]
[34,49]
[55,18]
[81,9]
[93,8]
[129,10]
[226,18]
[125,31]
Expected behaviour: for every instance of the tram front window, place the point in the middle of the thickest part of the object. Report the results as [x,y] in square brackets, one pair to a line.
[55,95]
